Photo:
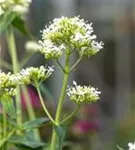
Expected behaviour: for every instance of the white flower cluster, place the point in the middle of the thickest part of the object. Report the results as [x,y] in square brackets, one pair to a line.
[73,32]
[83,94]
[31,75]
[7,84]
[18,6]
[34,75]
[131,146]
[50,50]
[32,46]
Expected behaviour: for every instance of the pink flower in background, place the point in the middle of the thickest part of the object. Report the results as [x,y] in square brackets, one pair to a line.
[33,96]
[84,126]
[92,110]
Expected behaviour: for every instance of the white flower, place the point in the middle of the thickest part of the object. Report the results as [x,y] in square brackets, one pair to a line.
[17,6]
[74,33]
[2,1]
[97,46]
[83,94]
[1,11]
[34,75]
[32,46]
[50,50]
[131,146]
[7,84]
[19,9]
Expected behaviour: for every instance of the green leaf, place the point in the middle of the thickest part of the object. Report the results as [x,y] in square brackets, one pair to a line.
[61,132]
[19,24]
[119,147]
[6,20]
[2,142]
[10,122]
[9,107]
[26,140]
[35,123]
[5,64]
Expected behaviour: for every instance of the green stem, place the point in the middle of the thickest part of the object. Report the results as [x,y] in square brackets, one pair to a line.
[4,140]
[13,54]
[59,64]
[76,63]
[60,101]
[44,106]
[30,110]
[4,128]
[62,96]
[69,117]
[12,49]
[1,130]
[4,123]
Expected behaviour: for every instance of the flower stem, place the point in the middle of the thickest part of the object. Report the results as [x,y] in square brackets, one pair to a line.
[59,64]
[4,123]
[69,117]
[44,106]
[75,64]
[30,110]
[60,101]
[12,49]
[13,54]
[4,128]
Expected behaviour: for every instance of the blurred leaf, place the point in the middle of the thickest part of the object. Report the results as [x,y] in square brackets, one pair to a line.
[34,123]
[61,131]
[26,140]
[6,20]
[9,107]
[11,122]
[5,64]
[19,24]
[125,132]
[2,142]
[119,147]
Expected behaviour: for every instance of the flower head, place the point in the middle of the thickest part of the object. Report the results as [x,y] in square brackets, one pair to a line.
[17,6]
[131,146]
[32,75]
[8,84]
[69,32]
[32,46]
[83,94]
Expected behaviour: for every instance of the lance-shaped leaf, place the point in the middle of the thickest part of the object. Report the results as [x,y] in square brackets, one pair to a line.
[6,20]
[19,24]
[35,123]
[26,140]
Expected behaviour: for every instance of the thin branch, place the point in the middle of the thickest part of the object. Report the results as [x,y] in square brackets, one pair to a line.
[59,64]
[44,106]
[70,116]
[5,65]
[75,64]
